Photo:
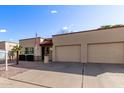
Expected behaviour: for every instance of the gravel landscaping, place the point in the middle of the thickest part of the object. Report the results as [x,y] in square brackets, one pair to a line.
[13,70]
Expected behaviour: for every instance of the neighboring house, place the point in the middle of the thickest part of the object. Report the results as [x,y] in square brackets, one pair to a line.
[8,46]
[2,56]
[92,46]
[31,46]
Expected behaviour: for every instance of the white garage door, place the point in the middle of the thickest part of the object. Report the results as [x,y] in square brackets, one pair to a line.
[106,53]
[68,53]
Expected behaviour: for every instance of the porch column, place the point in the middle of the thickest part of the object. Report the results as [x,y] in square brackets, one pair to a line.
[53,53]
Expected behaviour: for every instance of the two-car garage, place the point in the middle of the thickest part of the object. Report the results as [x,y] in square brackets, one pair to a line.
[96,53]
[97,46]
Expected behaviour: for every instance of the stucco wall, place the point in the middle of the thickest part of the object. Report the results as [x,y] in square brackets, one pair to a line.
[89,37]
[31,43]
[10,45]
[2,45]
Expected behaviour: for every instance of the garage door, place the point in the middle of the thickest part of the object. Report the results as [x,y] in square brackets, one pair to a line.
[106,53]
[68,53]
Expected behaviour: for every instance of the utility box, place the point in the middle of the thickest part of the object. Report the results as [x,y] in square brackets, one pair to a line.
[46,59]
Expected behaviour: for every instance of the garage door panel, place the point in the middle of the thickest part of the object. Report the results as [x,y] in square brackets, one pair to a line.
[106,53]
[68,53]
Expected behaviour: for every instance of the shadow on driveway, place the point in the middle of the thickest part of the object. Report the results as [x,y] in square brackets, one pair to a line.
[94,69]
[91,69]
[73,68]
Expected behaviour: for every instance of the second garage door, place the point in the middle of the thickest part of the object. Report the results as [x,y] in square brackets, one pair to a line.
[68,53]
[106,53]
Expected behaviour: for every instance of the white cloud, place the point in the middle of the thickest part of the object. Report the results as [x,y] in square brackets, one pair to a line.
[68,27]
[53,11]
[3,30]
[65,28]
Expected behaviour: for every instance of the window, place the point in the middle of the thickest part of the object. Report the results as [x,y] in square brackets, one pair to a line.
[26,50]
[29,50]
[32,50]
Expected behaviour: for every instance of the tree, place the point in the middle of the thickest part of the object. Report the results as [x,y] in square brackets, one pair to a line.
[17,50]
[118,25]
[105,27]
[111,26]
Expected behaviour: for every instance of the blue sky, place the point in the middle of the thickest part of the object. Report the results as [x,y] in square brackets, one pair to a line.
[18,22]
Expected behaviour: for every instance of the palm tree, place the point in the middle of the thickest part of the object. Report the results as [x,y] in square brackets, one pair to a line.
[17,50]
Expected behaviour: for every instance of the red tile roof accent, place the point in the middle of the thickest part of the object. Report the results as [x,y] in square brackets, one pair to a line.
[46,43]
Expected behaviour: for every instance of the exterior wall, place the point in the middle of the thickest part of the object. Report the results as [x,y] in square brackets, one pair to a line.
[2,45]
[10,45]
[88,37]
[31,43]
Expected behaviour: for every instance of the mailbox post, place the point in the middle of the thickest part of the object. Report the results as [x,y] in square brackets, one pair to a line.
[6,60]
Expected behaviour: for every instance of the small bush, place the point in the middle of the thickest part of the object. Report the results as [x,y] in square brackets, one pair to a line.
[30,57]
[22,57]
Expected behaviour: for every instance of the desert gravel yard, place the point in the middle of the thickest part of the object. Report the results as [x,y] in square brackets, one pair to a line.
[62,75]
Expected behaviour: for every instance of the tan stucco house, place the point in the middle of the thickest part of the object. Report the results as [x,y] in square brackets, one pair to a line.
[30,46]
[37,47]
[92,46]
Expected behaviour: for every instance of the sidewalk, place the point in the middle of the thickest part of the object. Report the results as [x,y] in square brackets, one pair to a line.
[7,83]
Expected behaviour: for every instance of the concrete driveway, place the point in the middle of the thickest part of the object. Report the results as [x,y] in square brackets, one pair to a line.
[54,75]
[103,76]
[67,75]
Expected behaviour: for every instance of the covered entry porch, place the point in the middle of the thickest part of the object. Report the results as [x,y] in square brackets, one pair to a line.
[46,48]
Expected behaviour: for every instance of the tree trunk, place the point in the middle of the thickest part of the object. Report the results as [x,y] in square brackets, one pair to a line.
[17,59]
[12,57]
